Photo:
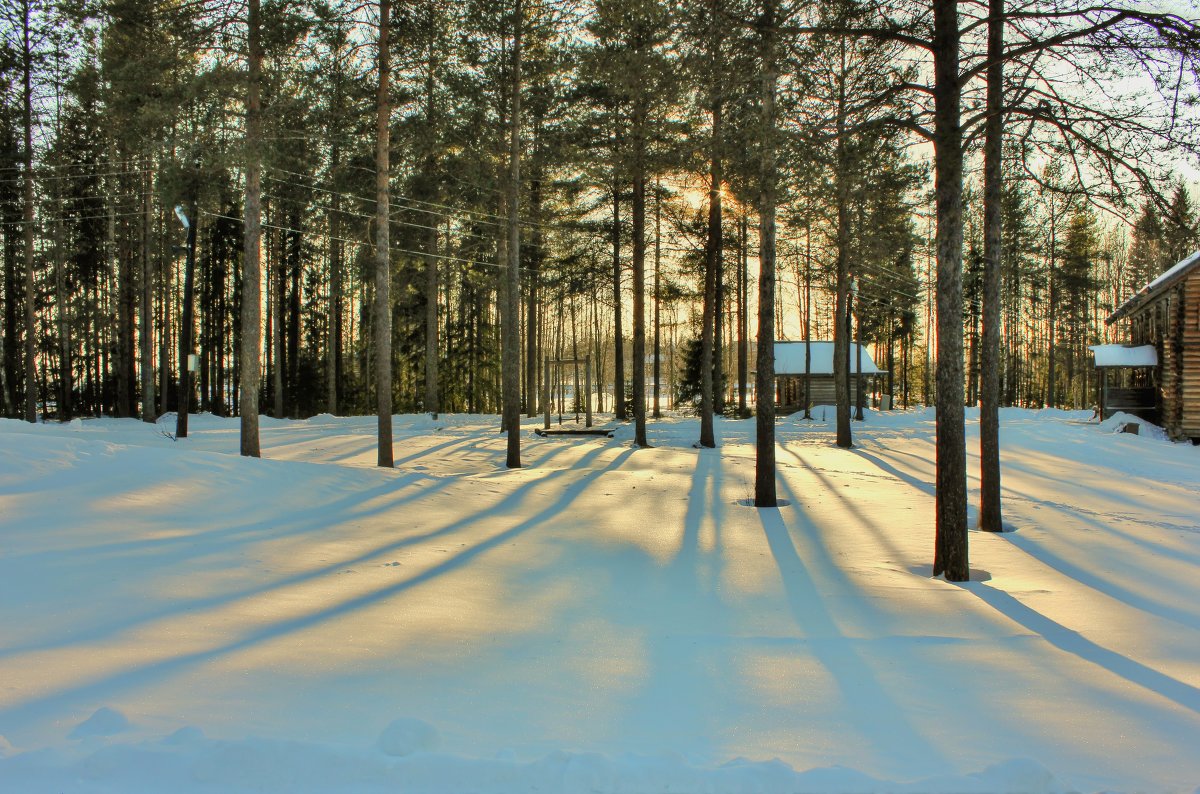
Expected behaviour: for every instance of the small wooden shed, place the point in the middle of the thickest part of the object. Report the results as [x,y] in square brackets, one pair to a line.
[1124,380]
[1165,314]
[790,369]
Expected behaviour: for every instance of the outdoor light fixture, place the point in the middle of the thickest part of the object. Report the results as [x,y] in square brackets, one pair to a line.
[182,216]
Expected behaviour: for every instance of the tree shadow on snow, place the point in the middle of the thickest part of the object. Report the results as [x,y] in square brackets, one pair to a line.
[868,705]
[107,686]
[1076,644]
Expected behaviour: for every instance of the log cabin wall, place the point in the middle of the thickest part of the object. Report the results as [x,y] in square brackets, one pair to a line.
[1171,323]
[1170,320]
[1189,356]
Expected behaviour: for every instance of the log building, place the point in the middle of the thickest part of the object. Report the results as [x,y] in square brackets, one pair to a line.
[1165,314]
[795,385]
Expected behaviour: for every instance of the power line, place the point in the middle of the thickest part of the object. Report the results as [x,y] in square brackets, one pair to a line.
[392,219]
[356,242]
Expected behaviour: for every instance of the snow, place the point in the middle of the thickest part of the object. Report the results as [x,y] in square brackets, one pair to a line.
[789,359]
[1118,421]
[1125,356]
[178,618]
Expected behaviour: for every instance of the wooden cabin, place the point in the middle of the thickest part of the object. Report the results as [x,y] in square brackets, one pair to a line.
[1165,315]
[790,368]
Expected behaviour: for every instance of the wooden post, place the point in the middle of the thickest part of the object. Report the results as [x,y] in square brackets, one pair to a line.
[587,390]
[546,396]
[1101,392]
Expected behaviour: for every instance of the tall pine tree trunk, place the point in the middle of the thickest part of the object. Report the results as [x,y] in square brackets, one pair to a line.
[989,410]
[950,551]
[841,325]
[276,290]
[431,323]
[1052,310]
[712,264]
[333,346]
[383,270]
[764,382]
[146,326]
[431,238]
[639,279]
[510,323]
[124,362]
[657,300]
[743,316]
[65,385]
[31,381]
[249,361]
[532,288]
[618,338]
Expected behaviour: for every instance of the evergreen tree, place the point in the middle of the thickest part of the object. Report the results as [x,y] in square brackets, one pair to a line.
[1145,249]
[1179,228]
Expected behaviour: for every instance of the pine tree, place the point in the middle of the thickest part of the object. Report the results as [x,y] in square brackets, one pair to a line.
[1145,249]
[1179,228]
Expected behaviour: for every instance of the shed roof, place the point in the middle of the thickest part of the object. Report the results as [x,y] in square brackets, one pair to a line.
[1156,287]
[1125,356]
[789,359]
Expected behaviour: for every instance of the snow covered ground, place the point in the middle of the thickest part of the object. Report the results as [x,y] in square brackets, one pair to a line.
[176,618]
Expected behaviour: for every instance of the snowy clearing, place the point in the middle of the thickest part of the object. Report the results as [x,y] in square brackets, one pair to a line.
[178,618]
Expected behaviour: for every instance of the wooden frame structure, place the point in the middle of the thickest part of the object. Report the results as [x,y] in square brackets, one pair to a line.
[548,393]
[1125,381]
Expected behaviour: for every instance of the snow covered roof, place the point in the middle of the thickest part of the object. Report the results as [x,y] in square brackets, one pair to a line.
[1122,356]
[789,359]
[1155,288]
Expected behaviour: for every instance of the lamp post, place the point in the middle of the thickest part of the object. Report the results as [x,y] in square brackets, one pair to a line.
[183,397]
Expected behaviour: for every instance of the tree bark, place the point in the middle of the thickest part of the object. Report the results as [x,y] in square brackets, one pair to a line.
[146,326]
[249,361]
[989,410]
[511,296]
[431,238]
[950,551]
[764,459]
[333,348]
[383,269]
[1052,317]
[743,320]
[841,326]
[277,291]
[618,339]
[66,388]
[639,280]
[31,381]
[532,308]
[657,300]
[712,264]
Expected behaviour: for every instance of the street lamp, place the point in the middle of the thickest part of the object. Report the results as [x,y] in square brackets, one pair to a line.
[186,359]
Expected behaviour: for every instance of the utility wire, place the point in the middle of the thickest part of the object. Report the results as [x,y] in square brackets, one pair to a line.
[357,242]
